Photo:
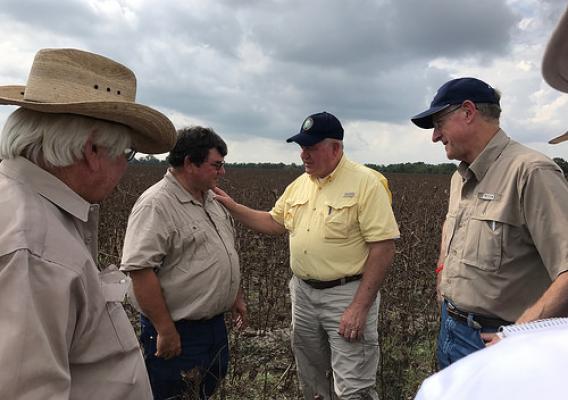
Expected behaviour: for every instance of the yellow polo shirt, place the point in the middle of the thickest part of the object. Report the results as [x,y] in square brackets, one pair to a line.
[331,220]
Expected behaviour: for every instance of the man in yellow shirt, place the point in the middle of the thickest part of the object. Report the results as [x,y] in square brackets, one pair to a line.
[342,230]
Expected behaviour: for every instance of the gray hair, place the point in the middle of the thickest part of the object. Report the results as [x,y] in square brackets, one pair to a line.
[58,139]
[330,141]
[490,111]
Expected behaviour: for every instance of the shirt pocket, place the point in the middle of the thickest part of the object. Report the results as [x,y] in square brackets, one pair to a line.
[196,248]
[292,212]
[122,326]
[113,284]
[449,229]
[340,217]
[483,247]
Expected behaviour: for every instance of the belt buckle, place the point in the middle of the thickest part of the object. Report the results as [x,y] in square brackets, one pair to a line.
[473,323]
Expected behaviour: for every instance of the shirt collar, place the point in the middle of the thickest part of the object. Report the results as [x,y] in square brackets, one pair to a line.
[47,185]
[183,195]
[329,178]
[486,158]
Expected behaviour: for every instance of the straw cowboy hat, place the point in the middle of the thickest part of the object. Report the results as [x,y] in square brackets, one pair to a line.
[555,63]
[77,82]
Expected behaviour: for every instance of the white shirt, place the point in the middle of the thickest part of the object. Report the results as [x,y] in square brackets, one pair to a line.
[527,366]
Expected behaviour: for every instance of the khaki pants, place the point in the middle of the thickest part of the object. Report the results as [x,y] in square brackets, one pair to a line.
[327,364]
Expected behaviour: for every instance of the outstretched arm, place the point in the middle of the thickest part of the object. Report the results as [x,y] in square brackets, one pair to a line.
[260,221]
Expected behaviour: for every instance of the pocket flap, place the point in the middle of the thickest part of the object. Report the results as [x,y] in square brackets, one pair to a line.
[296,201]
[342,202]
[114,284]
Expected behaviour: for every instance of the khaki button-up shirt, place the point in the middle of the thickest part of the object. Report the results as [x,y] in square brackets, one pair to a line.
[59,337]
[505,230]
[331,220]
[190,245]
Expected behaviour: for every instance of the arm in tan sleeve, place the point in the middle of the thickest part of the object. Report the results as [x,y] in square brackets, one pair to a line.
[553,303]
[376,267]
[41,303]
[441,259]
[547,224]
[148,292]
[260,221]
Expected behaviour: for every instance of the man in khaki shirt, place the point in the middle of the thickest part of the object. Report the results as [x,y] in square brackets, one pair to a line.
[180,252]
[64,333]
[532,363]
[504,249]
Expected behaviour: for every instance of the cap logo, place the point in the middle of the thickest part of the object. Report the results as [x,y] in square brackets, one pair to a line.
[308,123]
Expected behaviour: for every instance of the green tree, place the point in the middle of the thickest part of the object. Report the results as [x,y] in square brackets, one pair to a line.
[563,164]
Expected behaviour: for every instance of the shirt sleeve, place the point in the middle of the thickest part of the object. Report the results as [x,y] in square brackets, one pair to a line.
[376,218]
[546,211]
[146,238]
[38,320]
[278,210]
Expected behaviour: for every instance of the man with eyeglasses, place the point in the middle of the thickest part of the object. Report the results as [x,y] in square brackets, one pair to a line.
[180,252]
[503,252]
[64,333]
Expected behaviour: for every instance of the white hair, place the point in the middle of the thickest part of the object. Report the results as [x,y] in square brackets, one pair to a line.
[58,139]
[330,141]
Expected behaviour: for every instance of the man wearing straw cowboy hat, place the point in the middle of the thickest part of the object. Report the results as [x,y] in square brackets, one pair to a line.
[530,365]
[64,333]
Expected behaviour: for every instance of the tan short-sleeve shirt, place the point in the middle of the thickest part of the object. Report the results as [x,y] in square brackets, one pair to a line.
[60,338]
[190,245]
[505,231]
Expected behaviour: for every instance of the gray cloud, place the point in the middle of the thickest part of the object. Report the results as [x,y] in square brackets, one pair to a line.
[252,68]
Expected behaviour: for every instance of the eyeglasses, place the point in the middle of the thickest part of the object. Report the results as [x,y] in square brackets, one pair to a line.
[217,165]
[438,120]
[129,153]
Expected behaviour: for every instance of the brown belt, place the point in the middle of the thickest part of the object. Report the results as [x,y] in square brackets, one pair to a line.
[480,320]
[329,284]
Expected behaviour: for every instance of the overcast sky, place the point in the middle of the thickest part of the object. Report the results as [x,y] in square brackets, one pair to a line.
[254,69]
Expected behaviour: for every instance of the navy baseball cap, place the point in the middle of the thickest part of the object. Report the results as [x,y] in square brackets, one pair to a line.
[453,92]
[316,128]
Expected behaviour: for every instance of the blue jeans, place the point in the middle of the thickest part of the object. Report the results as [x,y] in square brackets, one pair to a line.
[456,339]
[198,370]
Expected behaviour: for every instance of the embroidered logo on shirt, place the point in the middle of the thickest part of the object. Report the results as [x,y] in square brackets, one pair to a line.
[349,194]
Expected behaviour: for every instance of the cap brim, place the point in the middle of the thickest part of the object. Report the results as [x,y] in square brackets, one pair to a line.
[555,60]
[559,139]
[304,139]
[424,119]
[154,133]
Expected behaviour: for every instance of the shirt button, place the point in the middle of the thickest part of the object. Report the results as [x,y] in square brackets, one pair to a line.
[305,251]
[308,229]
[313,209]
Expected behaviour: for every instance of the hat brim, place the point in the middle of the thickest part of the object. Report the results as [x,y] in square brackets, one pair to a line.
[559,139]
[154,133]
[424,119]
[555,60]
[304,139]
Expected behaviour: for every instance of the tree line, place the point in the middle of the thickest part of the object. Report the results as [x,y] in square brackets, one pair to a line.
[409,168]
